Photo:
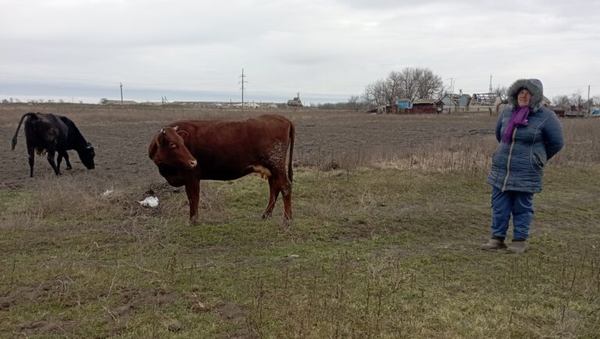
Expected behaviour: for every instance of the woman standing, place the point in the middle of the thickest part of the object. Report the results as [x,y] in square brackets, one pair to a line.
[529,135]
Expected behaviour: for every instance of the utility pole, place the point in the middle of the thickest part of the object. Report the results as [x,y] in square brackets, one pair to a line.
[451,85]
[243,82]
[589,102]
[490,83]
[121,85]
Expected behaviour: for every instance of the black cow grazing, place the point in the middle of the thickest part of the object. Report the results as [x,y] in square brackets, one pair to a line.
[54,134]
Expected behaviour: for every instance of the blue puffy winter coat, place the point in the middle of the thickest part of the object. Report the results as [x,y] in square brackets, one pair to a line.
[519,165]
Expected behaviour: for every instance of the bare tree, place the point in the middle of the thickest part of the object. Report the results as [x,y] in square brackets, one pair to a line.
[561,100]
[501,92]
[410,83]
[430,85]
[354,103]
[395,84]
[375,93]
[576,100]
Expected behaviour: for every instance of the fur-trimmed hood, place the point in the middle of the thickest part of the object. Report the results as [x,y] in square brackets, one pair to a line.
[534,86]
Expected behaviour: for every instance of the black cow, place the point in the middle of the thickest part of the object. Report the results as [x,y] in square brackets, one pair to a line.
[54,134]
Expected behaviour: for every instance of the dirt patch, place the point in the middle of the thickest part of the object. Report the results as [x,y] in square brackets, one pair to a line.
[236,315]
[45,327]
[32,294]
[136,298]
[231,312]
[133,300]
[6,302]
[327,139]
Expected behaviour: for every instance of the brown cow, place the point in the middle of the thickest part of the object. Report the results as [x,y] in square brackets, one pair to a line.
[186,152]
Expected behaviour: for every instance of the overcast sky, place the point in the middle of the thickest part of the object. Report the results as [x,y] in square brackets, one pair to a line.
[327,50]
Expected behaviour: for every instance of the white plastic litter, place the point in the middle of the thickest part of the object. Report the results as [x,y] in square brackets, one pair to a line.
[149,202]
[107,193]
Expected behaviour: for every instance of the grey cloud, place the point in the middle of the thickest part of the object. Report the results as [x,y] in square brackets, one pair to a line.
[330,46]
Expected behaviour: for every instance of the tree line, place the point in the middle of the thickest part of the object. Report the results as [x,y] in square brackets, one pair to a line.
[421,83]
[409,83]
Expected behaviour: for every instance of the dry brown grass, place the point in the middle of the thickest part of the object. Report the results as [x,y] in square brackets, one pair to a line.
[332,139]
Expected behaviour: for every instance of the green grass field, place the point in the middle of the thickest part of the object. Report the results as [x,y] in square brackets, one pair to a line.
[372,252]
[389,214]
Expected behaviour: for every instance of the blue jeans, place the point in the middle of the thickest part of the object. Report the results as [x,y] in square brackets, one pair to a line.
[520,205]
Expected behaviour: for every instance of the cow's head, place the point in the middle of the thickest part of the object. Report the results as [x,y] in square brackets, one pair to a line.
[168,149]
[87,155]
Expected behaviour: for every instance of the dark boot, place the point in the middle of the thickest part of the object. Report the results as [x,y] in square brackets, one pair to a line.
[493,244]
[518,247]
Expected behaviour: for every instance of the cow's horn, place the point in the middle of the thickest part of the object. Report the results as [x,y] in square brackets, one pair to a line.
[175,127]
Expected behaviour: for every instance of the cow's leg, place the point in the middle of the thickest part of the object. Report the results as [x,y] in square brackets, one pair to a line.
[66,155]
[273,194]
[286,191]
[52,163]
[61,155]
[31,154]
[192,189]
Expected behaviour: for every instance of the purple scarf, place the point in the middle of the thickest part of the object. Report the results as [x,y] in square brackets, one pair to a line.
[518,118]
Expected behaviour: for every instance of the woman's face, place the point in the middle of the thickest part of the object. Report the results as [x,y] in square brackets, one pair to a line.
[523,98]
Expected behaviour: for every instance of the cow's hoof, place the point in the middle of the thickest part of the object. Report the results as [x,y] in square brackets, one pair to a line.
[266,215]
[286,223]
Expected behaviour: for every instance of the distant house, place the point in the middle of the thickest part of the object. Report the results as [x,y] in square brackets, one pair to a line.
[558,110]
[484,99]
[386,109]
[464,100]
[403,104]
[295,102]
[427,106]
[407,106]
[456,100]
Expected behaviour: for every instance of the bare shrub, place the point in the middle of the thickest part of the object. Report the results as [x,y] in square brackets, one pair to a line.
[443,156]
[66,195]
[582,142]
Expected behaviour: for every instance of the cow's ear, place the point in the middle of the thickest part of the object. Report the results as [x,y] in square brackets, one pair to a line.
[153,148]
[183,133]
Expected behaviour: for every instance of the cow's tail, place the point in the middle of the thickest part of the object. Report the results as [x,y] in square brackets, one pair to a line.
[291,152]
[14,139]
